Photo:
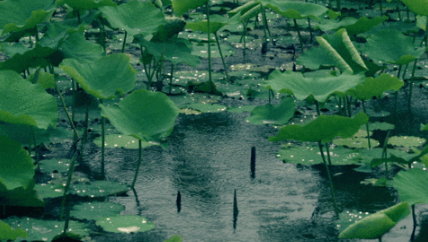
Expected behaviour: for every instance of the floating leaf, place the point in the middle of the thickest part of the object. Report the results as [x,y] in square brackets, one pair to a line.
[381,126]
[125,224]
[377,224]
[411,185]
[296,10]
[45,230]
[406,141]
[207,107]
[310,155]
[98,189]
[96,210]
[135,17]
[356,142]
[241,109]
[105,78]
[123,141]
[181,6]
[324,129]
[145,115]
[49,190]
[273,114]
[320,88]
[7,233]
[342,51]
[49,166]
[391,46]
[201,50]
[375,87]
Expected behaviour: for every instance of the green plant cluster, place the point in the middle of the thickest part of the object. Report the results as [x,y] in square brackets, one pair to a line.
[43,41]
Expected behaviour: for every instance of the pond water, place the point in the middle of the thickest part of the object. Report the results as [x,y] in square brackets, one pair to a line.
[208,158]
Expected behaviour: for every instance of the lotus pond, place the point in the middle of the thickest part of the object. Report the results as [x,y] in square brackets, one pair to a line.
[213,120]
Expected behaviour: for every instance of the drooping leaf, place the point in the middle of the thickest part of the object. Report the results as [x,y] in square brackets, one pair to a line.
[419,7]
[375,87]
[135,17]
[105,78]
[296,10]
[324,129]
[273,114]
[96,210]
[342,51]
[45,230]
[314,58]
[145,115]
[169,30]
[8,233]
[319,88]
[377,224]
[203,25]
[411,185]
[87,4]
[391,46]
[19,15]
[26,103]
[125,224]
[181,6]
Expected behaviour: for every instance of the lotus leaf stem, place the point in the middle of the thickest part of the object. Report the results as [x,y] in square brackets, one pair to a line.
[209,42]
[339,7]
[327,167]
[367,125]
[67,185]
[85,132]
[385,154]
[103,144]
[66,111]
[221,55]
[124,41]
[396,93]
[411,84]
[138,164]
[298,33]
[170,78]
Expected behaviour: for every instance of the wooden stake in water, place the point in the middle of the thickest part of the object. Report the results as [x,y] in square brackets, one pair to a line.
[253,162]
[178,202]
[235,210]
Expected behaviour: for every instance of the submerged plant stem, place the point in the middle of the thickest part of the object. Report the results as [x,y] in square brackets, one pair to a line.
[138,164]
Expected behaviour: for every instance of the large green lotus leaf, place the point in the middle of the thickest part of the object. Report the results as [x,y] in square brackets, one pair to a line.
[16,165]
[87,4]
[18,15]
[135,17]
[105,78]
[125,224]
[377,224]
[310,155]
[123,141]
[406,141]
[216,23]
[319,88]
[45,230]
[419,7]
[391,46]
[26,103]
[78,48]
[324,129]
[96,210]
[340,48]
[23,133]
[175,51]
[375,87]
[273,114]
[22,57]
[314,58]
[22,197]
[296,10]
[7,233]
[145,115]
[352,25]
[181,6]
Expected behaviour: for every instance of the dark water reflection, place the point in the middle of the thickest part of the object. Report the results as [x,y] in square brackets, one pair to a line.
[209,157]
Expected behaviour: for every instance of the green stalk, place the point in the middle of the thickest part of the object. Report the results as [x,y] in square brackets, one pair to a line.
[385,154]
[138,164]
[381,8]
[36,33]
[124,41]
[66,111]
[85,132]
[333,195]
[73,84]
[244,34]
[310,31]
[170,79]
[338,5]
[399,11]
[396,93]
[102,36]
[411,82]
[67,186]
[103,140]
[209,42]
[222,58]
[317,106]
[348,104]
[367,124]
[298,33]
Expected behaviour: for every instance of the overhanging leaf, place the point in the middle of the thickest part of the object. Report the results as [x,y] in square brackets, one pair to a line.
[419,7]
[375,87]
[295,10]
[273,114]
[411,186]
[324,129]
[87,4]
[181,6]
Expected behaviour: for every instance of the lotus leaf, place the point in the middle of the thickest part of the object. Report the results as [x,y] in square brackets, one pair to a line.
[21,197]
[45,230]
[391,46]
[96,210]
[207,107]
[118,140]
[324,129]
[26,103]
[406,141]
[419,7]
[319,88]
[135,17]
[87,4]
[273,114]
[76,47]
[314,58]
[145,115]
[105,78]
[342,51]
[375,87]
[296,10]
[18,15]
[7,233]
[377,224]
[381,126]
[201,50]
[352,25]
[411,185]
[181,6]
[125,224]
